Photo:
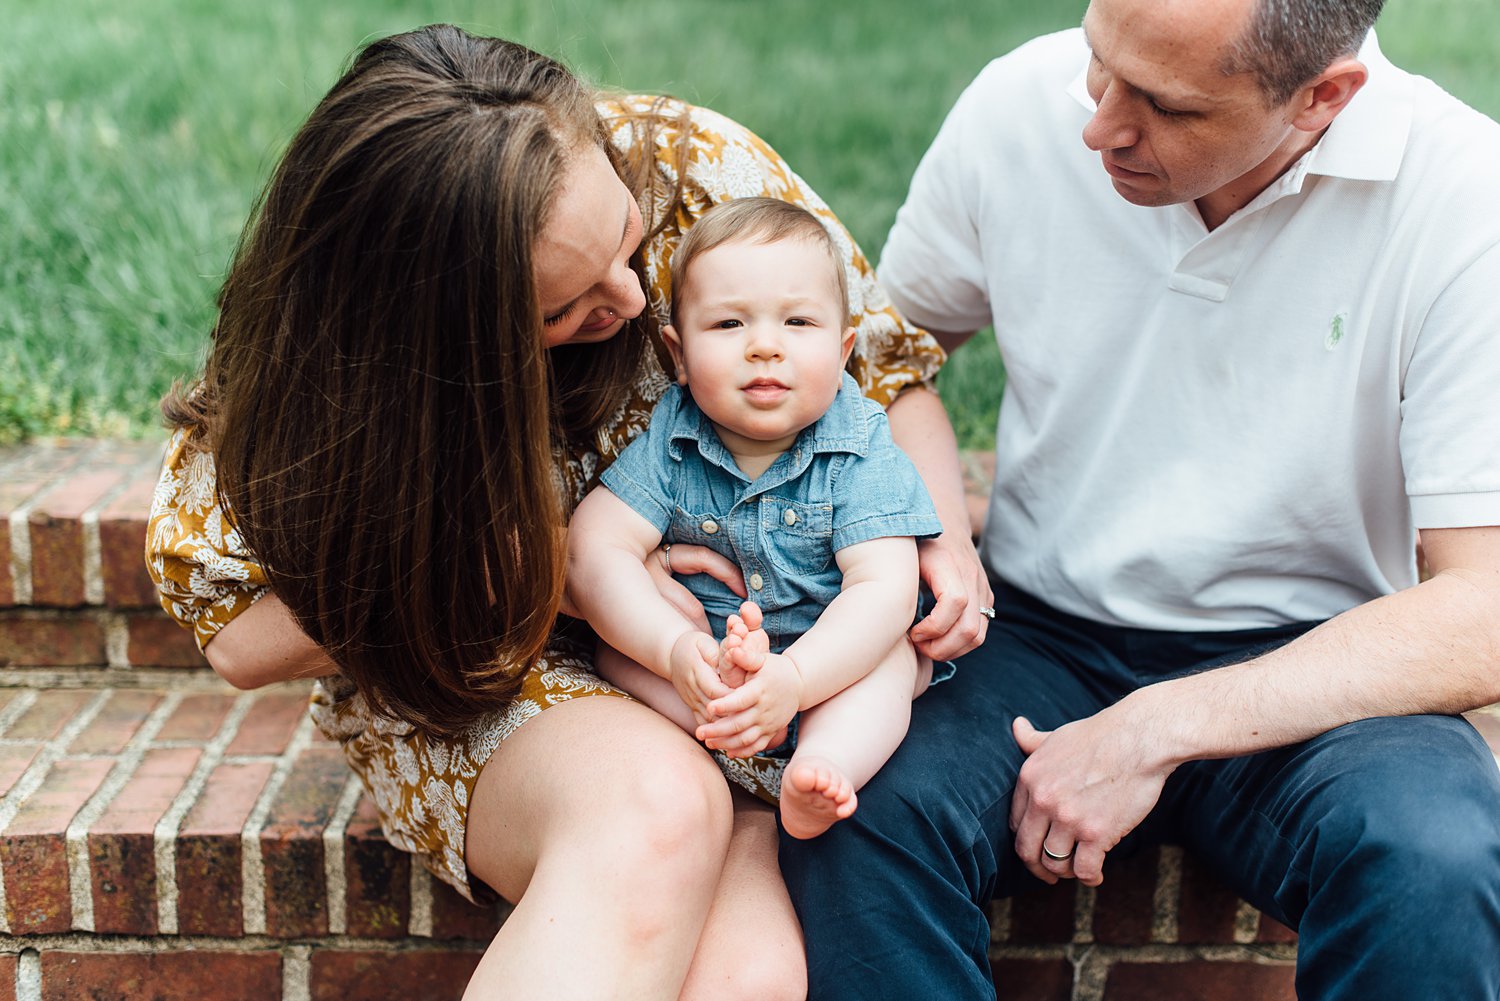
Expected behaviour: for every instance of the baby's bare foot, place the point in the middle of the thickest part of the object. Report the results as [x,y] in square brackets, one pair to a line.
[744,647]
[815,794]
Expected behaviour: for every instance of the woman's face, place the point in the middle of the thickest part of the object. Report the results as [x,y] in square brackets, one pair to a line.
[581,262]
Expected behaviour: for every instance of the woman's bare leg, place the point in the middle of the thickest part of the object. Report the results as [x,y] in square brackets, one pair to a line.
[609,828]
[751,948]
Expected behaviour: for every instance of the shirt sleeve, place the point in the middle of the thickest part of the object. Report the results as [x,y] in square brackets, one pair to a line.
[879,494]
[641,475]
[204,574]
[1450,409]
[722,160]
[932,264]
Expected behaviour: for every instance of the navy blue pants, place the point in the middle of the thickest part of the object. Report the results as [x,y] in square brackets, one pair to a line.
[1378,841]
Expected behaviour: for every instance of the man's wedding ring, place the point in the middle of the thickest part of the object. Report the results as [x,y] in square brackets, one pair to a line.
[1056,857]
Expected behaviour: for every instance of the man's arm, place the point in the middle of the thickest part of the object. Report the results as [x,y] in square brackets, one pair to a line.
[949,565]
[1433,648]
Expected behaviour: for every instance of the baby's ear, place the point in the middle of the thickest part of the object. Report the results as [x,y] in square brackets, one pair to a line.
[674,347]
[847,345]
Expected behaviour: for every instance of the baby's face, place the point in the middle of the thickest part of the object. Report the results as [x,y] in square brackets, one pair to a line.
[761,339]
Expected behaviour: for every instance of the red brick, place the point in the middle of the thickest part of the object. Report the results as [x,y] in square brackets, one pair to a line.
[122,856]
[157,641]
[14,760]
[1043,913]
[48,715]
[161,976]
[1200,980]
[197,717]
[1208,909]
[377,901]
[208,851]
[8,978]
[122,542]
[455,917]
[1124,905]
[7,581]
[57,578]
[116,723]
[1272,930]
[1032,979]
[28,639]
[33,849]
[391,976]
[291,843]
[269,725]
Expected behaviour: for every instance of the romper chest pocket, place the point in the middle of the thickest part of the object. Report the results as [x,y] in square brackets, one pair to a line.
[699,529]
[799,537]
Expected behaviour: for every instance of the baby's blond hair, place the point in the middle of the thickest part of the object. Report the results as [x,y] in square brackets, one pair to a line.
[758,220]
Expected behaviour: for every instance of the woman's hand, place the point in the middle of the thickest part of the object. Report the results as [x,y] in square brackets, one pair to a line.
[684,560]
[950,568]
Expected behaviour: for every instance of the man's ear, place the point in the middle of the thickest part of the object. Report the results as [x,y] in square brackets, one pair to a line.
[1320,102]
[674,347]
[846,345]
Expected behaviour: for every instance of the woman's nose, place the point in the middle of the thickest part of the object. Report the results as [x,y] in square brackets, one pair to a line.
[625,293]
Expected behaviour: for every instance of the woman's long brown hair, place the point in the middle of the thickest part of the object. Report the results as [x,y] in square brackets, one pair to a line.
[378,398]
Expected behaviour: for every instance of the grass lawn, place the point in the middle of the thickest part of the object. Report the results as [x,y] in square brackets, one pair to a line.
[135,133]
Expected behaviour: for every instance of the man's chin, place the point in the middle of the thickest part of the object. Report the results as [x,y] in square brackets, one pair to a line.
[1142,196]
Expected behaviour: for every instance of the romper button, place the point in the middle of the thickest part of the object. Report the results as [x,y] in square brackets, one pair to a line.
[790,518]
[710,526]
[756,583]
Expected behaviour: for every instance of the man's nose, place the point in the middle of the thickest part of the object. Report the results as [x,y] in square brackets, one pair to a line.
[1111,126]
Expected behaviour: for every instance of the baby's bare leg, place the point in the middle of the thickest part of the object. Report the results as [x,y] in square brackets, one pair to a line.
[654,690]
[843,741]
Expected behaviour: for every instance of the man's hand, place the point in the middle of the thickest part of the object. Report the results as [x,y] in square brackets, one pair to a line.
[747,719]
[1084,786]
[694,664]
[950,568]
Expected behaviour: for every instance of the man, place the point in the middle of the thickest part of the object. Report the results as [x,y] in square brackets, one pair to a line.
[1252,336]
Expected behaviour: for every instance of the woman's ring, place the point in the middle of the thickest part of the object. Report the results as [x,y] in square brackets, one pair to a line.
[666,557]
[1056,857]
[988,611]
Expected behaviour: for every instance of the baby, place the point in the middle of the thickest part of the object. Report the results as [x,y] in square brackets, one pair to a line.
[767,453]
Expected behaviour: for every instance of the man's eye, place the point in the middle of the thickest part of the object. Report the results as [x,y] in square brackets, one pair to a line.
[1164,112]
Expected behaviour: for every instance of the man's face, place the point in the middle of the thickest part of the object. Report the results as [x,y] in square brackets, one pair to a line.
[1170,127]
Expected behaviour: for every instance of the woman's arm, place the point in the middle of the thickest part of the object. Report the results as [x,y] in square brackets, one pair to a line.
[950,567]
[263,645]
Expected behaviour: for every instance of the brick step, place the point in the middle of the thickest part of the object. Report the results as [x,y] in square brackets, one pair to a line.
[162,835]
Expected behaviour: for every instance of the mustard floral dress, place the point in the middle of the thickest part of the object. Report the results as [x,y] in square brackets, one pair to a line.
[421,786]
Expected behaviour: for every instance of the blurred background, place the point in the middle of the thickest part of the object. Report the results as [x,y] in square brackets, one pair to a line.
[135,134]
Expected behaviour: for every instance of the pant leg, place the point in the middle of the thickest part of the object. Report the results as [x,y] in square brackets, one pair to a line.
[892,899]
[1378,841]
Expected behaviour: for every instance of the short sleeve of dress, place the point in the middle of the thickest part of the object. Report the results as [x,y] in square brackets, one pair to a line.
[204,574]
[720,160]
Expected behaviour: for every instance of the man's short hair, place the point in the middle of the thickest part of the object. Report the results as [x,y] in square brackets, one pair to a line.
[758,220]
[1288,42]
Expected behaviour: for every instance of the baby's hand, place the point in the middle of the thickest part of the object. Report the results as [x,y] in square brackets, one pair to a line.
[746,720]
[694,667]
[745,645]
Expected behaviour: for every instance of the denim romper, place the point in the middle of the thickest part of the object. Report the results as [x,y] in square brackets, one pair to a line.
[842,482]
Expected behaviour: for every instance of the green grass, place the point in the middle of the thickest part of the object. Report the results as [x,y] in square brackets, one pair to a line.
[134,136]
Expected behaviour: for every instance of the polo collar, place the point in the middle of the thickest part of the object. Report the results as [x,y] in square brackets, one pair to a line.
[1367,140]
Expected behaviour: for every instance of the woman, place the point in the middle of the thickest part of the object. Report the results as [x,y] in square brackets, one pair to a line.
[434,334]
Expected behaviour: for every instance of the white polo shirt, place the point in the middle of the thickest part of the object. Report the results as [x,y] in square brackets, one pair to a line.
[1224,430]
